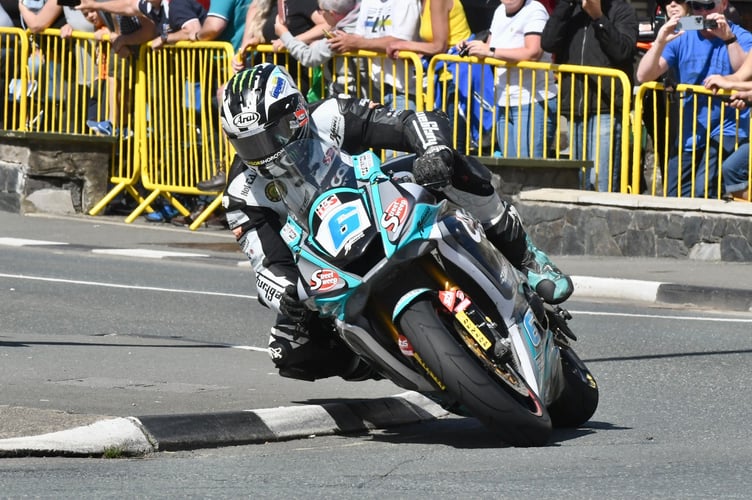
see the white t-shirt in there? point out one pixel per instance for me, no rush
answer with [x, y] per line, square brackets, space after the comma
[509, 33]
[397, 18]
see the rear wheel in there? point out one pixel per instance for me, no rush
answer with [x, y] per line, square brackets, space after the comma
[579, 399]
[493, 393]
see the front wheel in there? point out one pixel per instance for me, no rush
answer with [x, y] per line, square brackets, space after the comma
[579, 399]
[496, 395]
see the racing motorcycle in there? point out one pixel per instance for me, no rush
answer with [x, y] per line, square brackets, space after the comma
[413, 287]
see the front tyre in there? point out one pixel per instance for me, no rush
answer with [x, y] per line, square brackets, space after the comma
[520, 420]
[579, 399]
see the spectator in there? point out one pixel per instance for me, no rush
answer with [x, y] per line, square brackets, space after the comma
[303, 20]
[693, 56]
[341, 15]
[736, 168]
[516, 36]
[9, 18]
[175, 20]
[38, 15]
[479, 13]
[6, 21]
[593, 33]
[126, 34]
[225, 21]
[662, 108]
[442, 25]
[380, 23]
[84, 59]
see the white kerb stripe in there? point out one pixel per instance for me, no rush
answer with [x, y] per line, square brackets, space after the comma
[585, 286]
[289, 421]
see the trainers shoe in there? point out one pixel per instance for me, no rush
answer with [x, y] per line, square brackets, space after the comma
[164, 214]
[544, 277]
[215, 183]
[103, 128]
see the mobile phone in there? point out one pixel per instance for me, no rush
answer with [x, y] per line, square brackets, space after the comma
[34, 5]
[69, 3]
[694, 23]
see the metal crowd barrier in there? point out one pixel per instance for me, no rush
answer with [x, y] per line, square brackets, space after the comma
[52, 85]
[660, 115]
[178, 121]
[164, 110]
[476, 90]
[15, 86]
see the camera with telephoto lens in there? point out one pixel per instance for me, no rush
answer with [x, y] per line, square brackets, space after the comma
[694, 23]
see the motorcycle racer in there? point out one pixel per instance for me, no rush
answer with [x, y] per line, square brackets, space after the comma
[262, 111]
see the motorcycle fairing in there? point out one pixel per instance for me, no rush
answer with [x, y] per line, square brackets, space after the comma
[340, 225]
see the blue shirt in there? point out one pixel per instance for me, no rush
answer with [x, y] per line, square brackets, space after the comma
[693, 58]
[233, 12]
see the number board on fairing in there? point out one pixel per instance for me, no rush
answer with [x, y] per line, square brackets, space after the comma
[339, 220]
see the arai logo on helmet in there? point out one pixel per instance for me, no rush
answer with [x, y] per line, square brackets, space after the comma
[245, 119]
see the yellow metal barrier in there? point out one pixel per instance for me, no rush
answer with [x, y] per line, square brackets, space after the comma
[67, 82]
[177, 120]
[664, 121]
[557, 126]
[14, 79]
[369, 71]
[117, 102]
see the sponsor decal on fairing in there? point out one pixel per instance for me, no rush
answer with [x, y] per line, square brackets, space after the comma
[395, 214]
[324, 280]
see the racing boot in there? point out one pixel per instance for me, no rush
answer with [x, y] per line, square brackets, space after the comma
[544, 277]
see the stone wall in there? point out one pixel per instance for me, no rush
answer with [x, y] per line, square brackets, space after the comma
[58, 174]
[573, 222]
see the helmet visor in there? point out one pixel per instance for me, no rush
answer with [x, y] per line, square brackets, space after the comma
[262, 146]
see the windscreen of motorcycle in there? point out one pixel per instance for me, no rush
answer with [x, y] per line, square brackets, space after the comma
[306, 169]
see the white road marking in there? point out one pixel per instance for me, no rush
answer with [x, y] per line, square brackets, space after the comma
[148, 254]
[20, 242]
[662, 316]
[129, 287]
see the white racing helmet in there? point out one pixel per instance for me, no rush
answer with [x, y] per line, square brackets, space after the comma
[262, 112]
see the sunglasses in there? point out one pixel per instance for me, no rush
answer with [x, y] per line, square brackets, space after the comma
[701, 5]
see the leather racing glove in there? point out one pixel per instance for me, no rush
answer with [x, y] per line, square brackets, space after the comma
[435, 167]
[292, 307]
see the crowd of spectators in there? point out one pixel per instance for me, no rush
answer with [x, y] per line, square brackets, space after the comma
[601, 33]
[693, 56]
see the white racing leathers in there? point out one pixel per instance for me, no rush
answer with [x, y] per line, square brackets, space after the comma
[255, 214]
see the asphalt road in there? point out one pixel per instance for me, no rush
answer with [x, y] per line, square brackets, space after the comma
[95, 333]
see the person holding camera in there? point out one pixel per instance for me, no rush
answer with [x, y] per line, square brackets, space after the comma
[522, 97]
[694, 47]
[601, 33]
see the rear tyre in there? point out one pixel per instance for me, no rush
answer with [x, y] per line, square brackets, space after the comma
[498, 397]
[579, 399]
